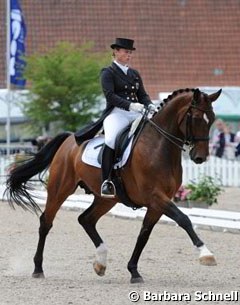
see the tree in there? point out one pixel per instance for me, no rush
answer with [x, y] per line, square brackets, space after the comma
[64, 86]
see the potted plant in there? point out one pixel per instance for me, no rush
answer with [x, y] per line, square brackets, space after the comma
[180, 197]
[203, 193]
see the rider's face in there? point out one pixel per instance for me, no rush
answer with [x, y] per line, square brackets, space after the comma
[123, 56]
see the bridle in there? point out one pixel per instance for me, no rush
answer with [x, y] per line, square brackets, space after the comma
[189, 139]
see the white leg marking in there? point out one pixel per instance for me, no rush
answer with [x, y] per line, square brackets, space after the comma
[204, 251]
[101, 254]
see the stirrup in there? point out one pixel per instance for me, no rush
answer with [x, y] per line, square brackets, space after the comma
[108, 189]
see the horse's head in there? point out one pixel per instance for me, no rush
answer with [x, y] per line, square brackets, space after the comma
[196, 122]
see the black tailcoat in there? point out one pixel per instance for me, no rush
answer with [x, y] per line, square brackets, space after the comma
[120, 90]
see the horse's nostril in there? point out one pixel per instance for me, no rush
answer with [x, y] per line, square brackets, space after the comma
[199, 160]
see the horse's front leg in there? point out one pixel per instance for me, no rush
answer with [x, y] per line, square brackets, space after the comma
[205, 256]
[150, 219]
[88, 219]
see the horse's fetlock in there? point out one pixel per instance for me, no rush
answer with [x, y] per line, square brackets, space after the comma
[131, 267]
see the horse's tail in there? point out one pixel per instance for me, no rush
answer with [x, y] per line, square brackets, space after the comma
[17, 189]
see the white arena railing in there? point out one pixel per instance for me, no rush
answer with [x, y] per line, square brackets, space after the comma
[226, 172]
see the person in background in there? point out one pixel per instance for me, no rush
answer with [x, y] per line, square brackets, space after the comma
[237, 140]
[219, 128]
[226, 144]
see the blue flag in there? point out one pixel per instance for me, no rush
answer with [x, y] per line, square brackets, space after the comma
[17, 44]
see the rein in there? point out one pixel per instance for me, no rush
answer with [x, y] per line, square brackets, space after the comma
[167, 135]
[189, 137]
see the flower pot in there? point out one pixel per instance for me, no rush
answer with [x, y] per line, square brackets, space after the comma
[182, 204]
[197, 204]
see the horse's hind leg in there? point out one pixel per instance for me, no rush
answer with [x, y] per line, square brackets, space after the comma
[205, 257]
[88, 220]
[58, 191]
[38, 258]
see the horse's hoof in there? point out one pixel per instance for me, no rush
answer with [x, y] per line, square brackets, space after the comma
[99, 268]
[39, 275]
[135, 280]
[208, 260]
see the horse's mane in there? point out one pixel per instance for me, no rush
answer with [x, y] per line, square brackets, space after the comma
[174, 94]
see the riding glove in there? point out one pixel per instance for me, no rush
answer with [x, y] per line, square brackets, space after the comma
[137, 107]
[152, 108]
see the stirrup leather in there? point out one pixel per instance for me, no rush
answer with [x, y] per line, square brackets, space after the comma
[108, 189]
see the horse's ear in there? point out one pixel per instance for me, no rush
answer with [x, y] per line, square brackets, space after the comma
[196, 95]
[214, 96]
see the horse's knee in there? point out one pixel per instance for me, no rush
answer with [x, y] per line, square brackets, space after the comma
[84, 221]
[178, 216]
[81, 220]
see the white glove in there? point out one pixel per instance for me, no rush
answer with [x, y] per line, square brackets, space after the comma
[152, 108]
[137, 107]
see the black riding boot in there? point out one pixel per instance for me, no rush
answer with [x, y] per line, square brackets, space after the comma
[107, 188]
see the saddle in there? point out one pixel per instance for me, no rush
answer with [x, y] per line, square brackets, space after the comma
[125, 136]
[122, 141]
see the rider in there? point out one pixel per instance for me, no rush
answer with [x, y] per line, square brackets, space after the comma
[126, 97]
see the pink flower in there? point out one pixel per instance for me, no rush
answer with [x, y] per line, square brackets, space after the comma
[182, 193]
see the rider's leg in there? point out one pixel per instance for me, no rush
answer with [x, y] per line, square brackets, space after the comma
[113, 124]
[107, 188]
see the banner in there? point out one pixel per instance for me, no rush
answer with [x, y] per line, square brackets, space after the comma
[17, 44]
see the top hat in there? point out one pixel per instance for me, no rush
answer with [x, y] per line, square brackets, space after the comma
[123, 43]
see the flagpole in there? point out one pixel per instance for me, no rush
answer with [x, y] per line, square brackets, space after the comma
[8, 82]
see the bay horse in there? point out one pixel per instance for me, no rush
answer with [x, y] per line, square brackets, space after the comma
[151, 176]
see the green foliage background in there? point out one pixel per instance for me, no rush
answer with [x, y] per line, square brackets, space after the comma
[64, 87]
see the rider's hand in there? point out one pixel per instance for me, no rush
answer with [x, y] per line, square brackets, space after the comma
[137, 107]
[152, 108]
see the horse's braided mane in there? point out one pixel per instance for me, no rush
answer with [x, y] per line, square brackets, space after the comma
[175, 93]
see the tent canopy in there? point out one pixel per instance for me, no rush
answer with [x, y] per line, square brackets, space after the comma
[227, 106]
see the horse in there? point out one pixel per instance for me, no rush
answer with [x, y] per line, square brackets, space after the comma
[151, 176]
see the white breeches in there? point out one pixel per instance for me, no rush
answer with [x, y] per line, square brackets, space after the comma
[115, 122]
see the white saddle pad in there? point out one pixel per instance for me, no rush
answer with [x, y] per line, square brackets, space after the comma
[91, 151]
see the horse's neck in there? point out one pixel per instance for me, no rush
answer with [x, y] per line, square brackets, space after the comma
[167, 119]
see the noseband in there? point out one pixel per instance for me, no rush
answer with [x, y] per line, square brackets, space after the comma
[190, 139]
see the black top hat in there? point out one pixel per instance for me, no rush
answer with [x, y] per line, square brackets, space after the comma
[123, 43]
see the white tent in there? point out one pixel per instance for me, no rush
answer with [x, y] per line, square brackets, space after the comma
[227, 105]
[15, 112]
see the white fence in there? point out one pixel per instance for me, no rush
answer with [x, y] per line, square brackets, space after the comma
[228, 171]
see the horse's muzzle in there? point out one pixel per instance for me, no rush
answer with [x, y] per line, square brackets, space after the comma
[199, 160]
[197, 157]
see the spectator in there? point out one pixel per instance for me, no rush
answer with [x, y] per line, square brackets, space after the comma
[237, 140]
[219, 128]
[226, 144]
